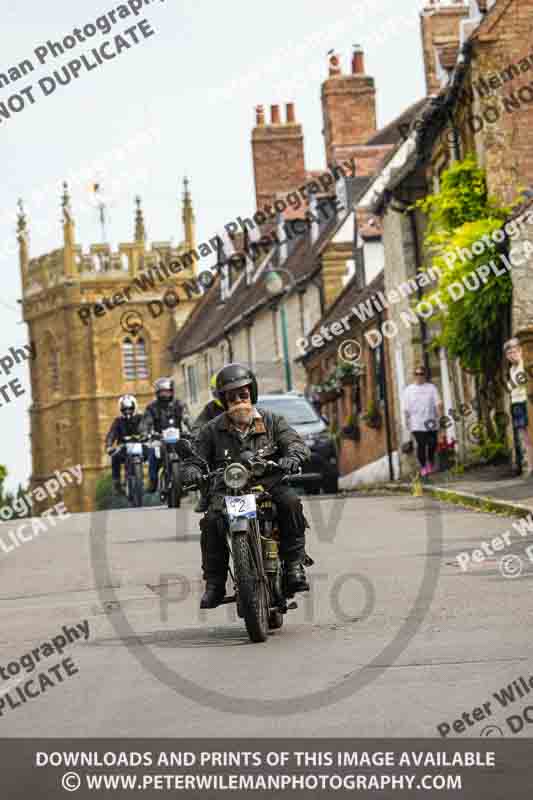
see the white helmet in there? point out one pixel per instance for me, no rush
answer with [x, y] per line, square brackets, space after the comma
[127, 405]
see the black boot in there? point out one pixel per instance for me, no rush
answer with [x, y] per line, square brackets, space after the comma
[202, 505]
[214, 594]
[296, 578]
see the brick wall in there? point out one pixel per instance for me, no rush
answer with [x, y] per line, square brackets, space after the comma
[439, 28]
[278, 156]
[349, 113]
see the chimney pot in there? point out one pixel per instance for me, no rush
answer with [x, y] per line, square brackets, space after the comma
[290, 112]
[274, 115]
[259, 115]
[334, 64]
[358, 61]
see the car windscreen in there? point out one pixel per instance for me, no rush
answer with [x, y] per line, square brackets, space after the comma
[295, 410]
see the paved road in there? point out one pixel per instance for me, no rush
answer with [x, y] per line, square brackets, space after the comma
[393, 640]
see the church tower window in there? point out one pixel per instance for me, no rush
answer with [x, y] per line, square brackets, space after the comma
[134, 359]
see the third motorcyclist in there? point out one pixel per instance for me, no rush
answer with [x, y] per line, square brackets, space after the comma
[127, 424]
[242, 427]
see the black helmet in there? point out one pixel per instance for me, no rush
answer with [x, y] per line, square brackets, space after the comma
[233, 376]
[164, 390]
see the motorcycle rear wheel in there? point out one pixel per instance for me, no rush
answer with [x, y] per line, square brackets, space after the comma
[253, 595]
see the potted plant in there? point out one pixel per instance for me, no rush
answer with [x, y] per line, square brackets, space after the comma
[372, 416]
[446, 451]
[352, 429]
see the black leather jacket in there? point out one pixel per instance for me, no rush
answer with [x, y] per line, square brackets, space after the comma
[121, 427]
[219, 440]
[157, 416]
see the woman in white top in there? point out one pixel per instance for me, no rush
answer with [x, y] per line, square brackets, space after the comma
[518, 388]
[423, 410]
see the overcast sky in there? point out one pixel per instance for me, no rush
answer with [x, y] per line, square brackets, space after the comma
[194, 86]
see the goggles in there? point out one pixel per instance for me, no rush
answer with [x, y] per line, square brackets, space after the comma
[237, 394]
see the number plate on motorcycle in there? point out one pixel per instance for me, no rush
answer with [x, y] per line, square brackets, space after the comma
[135, 449]
[171, 435]
[241, 506]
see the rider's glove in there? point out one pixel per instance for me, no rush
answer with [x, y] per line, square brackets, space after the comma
[291, 465]
[191, 474]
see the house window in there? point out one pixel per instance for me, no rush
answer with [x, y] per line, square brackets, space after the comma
[192, 383]
[53, 368]
[134, 359]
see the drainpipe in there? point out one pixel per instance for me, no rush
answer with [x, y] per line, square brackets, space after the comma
[230, 346]
[423, 326]
[388, 429]
[317, 281]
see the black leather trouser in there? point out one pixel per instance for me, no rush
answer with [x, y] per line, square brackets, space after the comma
[292, 525]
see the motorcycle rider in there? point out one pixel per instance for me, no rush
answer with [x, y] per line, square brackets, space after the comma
[157, 417]
[243, 427]
[212, 410]
[127, 424]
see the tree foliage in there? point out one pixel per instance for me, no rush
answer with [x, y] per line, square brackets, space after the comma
[459, 215]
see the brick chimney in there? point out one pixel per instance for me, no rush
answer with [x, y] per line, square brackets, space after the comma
[348, 107]
[441, 24]
[278, 154]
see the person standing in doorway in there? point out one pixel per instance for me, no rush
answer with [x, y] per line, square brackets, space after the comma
[518, 388]
[423, 410]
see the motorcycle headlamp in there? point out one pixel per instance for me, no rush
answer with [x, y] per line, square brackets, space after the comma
[236, 476]
[258, 470]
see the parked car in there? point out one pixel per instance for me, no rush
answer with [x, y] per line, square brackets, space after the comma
[322, 468]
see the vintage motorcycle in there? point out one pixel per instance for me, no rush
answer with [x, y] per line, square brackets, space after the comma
[166, 448]
[251, 527]
[133, 446]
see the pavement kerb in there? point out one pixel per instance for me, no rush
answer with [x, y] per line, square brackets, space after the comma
[483, 503]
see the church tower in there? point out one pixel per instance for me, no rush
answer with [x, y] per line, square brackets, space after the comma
[100, 331]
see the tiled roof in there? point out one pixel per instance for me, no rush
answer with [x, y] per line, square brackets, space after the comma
[392, 133]
[211, 319]
[350, 296]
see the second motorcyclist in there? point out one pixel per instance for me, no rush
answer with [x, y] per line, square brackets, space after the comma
[242, 427]
[163, 412]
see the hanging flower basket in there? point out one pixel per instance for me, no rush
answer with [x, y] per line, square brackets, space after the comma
[352, 432]
[327, 396]
[372, 415]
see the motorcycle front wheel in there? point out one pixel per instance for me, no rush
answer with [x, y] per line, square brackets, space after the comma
[253, 594]
[136, 485]
[174, 492]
